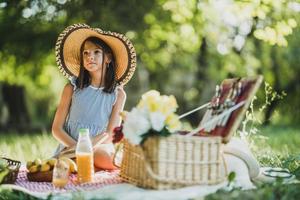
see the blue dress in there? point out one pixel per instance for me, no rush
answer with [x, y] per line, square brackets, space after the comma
[90, 108]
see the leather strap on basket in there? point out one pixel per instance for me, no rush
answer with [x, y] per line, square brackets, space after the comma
[119, 147]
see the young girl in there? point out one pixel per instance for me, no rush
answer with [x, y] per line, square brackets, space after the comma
[98, 64]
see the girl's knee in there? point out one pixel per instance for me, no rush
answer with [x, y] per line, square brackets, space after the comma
[103, 159]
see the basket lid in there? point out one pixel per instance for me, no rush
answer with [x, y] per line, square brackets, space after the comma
[230, 93]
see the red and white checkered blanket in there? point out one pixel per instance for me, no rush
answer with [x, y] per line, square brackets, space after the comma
[102, 178]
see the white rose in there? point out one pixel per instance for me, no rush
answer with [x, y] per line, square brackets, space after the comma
[157, 120]
[135, 125]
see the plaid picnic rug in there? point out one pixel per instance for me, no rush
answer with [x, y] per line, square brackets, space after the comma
[102, 178]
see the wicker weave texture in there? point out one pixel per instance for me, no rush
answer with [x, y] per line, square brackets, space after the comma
[173, 162]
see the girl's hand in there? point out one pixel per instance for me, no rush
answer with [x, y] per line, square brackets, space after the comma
[117, 134]
[101, 139]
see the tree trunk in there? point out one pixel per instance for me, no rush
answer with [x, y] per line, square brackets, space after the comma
[277, 86]
[14, 98]
[202, 83]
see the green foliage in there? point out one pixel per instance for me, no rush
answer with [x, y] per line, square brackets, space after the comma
[7, 194]
[230, 178]
[269, 191]
[271, 96]
[164, 132]
[184, 47]
[297, 173]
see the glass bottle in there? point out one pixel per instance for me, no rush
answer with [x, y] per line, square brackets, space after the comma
[84, 157]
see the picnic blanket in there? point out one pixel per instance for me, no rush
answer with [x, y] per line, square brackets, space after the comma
[107, 184]
[101, 179]
[127, 191]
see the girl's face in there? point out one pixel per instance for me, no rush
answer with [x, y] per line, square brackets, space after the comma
[92, 57]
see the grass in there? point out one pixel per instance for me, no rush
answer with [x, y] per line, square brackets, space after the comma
[275, 145]
[282, 139]
[25, 147]
[272, 145]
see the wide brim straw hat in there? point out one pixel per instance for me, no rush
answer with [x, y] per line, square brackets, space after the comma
[68, 45]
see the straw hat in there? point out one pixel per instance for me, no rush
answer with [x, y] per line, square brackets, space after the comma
[67, 50]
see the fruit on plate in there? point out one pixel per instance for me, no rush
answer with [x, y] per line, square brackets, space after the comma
[34, 168]
[29, 164]
[45, 167]
[52, 161]
[40, 170]
[39, 165]
[37, 161]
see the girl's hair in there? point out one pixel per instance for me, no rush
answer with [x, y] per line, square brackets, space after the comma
[84, 78]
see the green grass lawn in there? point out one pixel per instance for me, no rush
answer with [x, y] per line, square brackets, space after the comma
[275, 145]
[25, 147]
[272, 145]
[282, 139]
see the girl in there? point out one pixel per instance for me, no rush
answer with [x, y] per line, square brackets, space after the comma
[97, 63]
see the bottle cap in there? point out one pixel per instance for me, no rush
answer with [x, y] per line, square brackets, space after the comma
[83, 131]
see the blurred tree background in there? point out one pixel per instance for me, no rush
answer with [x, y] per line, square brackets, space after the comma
[184, 47]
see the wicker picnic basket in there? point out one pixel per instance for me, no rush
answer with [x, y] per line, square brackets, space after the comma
[13, 167]
[173, 162]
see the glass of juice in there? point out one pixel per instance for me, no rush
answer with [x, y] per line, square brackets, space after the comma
[60, 174]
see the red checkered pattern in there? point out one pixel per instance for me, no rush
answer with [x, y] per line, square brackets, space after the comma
[101, 178]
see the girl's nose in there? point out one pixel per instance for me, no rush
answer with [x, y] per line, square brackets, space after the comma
[91, 57]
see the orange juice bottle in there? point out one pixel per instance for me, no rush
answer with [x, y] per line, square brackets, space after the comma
[84, 157]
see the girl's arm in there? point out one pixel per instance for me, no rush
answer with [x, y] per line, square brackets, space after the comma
[60, 117]
[115, 118]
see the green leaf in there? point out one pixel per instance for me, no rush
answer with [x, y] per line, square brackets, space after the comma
[3, 164]
[3, 174]
[297, 173]
[231, 177]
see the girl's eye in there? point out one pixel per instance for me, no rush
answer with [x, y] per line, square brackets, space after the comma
[97, 52]
[85, 53]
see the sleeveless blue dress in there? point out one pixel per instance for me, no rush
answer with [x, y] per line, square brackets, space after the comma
[90, 108]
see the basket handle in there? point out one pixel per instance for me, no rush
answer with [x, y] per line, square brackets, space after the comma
[160, 178]
[119, 147]
[172, 180]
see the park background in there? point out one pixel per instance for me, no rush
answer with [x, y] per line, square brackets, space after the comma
[183, 48]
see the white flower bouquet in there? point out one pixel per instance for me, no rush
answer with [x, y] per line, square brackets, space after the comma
[154, 115]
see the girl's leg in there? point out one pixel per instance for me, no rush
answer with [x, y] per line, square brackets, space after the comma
[103, 157]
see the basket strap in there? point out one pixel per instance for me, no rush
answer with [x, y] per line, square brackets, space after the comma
[215, 119]
[119, 147]
[194, 110]
[225, 165]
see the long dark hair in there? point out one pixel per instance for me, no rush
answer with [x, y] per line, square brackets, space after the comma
[84, 78]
